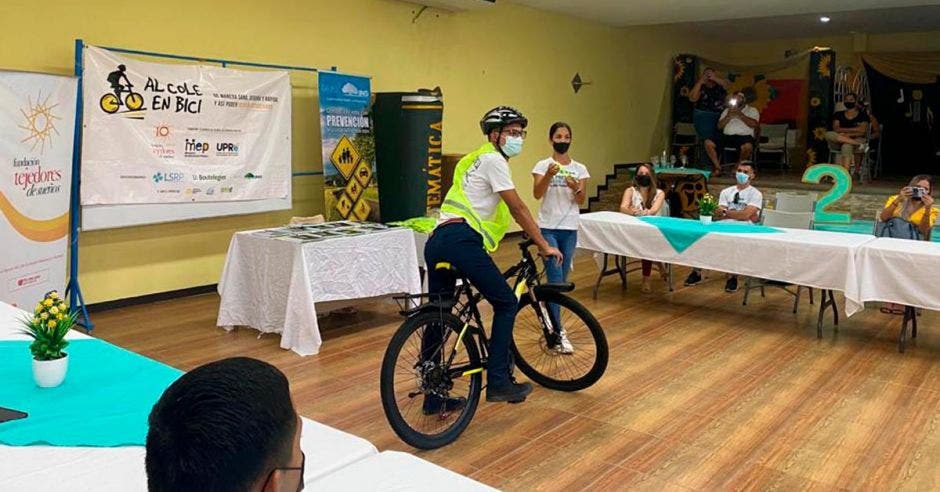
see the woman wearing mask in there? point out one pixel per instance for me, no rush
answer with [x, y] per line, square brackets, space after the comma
[641, 199]
[559, 182]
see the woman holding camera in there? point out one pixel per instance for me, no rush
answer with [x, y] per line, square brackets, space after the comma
[913, 205]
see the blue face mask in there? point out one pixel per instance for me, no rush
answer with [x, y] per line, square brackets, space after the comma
[513, 146]
[742, 178]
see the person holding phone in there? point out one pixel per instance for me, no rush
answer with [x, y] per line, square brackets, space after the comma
[913, 204]
[709, 94]
[738, 122]
[559, 181]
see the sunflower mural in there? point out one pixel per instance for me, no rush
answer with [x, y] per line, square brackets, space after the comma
[821, 67]
[759, 93]
[810, 157]
[819, 133]
[824, 66]
[684, 68]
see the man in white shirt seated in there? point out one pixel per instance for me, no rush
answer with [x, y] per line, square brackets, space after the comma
[737, 123]
[741, 202]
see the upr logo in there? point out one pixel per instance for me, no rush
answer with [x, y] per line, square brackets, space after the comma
[111, 103]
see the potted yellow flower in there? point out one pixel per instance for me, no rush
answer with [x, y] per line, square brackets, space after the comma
[50, 322]
[706, 208]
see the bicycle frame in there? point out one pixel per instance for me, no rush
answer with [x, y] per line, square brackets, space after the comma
[526, 277]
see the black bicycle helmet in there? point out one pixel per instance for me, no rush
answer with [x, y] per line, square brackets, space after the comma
[501, 116]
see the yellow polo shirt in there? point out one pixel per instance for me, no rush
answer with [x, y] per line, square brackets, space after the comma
[915, 217]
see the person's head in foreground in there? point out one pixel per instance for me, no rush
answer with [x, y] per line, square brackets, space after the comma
[504, 127]
[229, 425]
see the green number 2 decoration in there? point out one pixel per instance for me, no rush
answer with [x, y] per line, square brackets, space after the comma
[842, 187]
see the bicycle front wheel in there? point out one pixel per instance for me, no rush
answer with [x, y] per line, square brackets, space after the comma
[430, 381]
[570, 356]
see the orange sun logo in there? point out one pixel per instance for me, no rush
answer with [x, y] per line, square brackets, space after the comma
[40, 122]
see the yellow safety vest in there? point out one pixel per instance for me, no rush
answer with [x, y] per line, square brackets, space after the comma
[455, 203]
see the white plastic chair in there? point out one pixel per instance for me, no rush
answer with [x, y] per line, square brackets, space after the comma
[788, 220]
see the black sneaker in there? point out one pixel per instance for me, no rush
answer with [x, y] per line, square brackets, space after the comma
[732, 284]
[434, 404]
[694, 278]
[509, 392]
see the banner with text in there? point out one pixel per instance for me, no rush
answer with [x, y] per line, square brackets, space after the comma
[37, 126]
[158, 133]
[350, 189]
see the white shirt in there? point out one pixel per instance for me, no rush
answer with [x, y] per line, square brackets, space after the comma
[637, 200]
[559, 210]
[747, 196]
[485, 178]
[737, 127]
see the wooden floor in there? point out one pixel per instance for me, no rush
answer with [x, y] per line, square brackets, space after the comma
[701, 393]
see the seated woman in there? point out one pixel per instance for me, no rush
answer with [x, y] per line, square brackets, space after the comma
[641, 199]
[914, 206]
[909, 215]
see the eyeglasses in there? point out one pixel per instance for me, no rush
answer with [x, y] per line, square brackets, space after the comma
[516, 133]
[300, 483]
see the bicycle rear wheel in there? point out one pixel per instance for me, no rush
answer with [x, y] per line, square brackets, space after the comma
[538, 351]
[419, 376]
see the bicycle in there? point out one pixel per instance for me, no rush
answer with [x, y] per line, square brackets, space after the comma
[110, 103]
[412, 372]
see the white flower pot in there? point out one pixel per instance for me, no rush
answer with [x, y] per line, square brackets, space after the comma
[705, 219]
[50, 373]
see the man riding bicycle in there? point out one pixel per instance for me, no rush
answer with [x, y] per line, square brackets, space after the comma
[474, 218]
[114, 78]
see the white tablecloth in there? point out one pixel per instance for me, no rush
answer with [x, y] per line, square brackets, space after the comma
[820, 259]
[48, 468]
[271, 285]
[900, 271]
[395, 471]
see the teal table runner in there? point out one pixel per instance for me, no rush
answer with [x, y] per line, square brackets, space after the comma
[104, 402]
[682, 233]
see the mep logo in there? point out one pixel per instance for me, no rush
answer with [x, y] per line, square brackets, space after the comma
[252, 176]
[350, 90]
[161, 177]
[195, 148]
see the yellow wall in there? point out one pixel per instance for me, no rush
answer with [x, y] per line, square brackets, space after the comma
[505, 54]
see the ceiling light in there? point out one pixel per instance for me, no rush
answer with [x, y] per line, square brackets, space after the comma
[824, 19]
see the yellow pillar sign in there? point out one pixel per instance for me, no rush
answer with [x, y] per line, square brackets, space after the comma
[345, 157]
[361, 210]
[353, 189]
[363, 173]
[344, 205]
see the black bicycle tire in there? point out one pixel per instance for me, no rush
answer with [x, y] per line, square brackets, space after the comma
[386, 384]
[597, 332]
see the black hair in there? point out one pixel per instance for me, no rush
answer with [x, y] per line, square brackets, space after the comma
[847, 94]
[555, 126]
[220, 427]
[747, 163]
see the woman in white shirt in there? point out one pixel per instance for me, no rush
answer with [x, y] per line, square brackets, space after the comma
[642, 199]
[559, 183]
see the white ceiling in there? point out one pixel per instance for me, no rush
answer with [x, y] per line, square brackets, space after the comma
[650, 12]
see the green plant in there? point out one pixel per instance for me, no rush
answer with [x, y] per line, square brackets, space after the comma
[48, 326]
[707, 206]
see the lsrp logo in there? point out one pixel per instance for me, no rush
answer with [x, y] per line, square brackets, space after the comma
[111, 103]
[168, 177]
